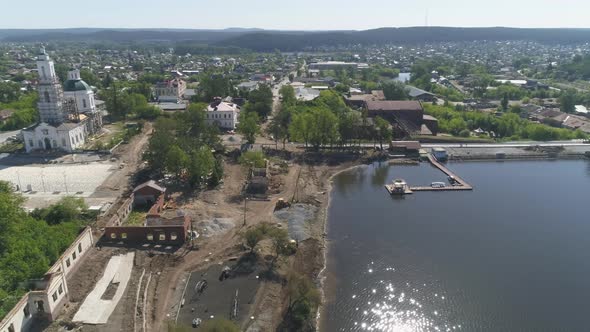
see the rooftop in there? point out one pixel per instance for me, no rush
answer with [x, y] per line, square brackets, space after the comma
[394, 105]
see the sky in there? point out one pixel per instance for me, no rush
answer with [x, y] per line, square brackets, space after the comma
[293, 14]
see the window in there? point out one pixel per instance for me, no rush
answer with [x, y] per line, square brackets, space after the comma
[162, 237]
[40, 306]
[173, 236]
[45, 132]
[46, 94]
[79, 247]
[54, 296]
[123, 235]
[84, 103]
[68, 262]
[31, 144]
[61, 289]
[43, 71]
[113, 236]
[41, 144]
[74, 255]
[26, 310]
[11, 328]
[150, 237]
[63, 142]
[71, 139]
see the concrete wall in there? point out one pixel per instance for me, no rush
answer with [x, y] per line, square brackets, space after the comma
[141, 234]
[16, 319]
[55, 295]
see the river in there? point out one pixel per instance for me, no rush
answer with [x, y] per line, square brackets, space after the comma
[512, 255]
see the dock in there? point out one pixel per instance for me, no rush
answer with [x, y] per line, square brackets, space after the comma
[407, 190]
[459, 184]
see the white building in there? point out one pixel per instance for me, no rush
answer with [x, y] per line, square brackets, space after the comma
[170, 91]
[66, 118]
[223, 114]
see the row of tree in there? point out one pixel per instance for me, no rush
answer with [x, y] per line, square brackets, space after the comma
[509, 125]
[324, 121]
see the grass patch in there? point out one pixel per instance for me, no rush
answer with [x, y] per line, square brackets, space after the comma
[136, 218]
[11, 147]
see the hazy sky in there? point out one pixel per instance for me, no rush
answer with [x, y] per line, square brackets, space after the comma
[292, 14]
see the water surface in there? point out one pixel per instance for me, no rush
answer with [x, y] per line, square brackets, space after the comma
[510, 256]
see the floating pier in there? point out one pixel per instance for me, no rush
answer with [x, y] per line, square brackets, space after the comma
[456, 183]
[459, 183]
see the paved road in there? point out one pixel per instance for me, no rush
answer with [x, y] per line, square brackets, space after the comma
[508, 144]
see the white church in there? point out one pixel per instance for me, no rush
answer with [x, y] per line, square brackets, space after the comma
[67, 117]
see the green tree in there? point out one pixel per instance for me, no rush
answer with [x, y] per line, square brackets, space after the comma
[252, 236]
[214, 86]
[176, 160]
[260, 101]
[67, 209]
[287, 96]
[304, 299]
[201, 165]
[9, 92]
[394, 90]
[248, 126]
[383, 129]
[568, 101]
[505, 102]
[252, 159]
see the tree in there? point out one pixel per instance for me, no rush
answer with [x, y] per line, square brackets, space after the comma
[505, 102]
[176, 161]
[568, 101]
[260, 101]
[201, 165]
[288, 96]
[67, 209]
[395, 90]
[252, 237]
[214, 86]
[304, 299]
[254, 159]
[280, 241]
[383, 129]
[217, 174]
[9, 92]
[248, 126]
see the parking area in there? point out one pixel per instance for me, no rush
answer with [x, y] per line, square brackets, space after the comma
[229, 298]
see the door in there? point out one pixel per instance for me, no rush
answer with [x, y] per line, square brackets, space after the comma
[47, 144]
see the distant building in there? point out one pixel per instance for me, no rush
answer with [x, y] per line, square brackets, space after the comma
[223, 114]
[419, 94]
[262, 78]
[407, 116]
[248, 86]
[331, 65]
[170, 91]
[306, 94]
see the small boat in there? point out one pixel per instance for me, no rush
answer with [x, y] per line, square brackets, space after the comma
[398, 187]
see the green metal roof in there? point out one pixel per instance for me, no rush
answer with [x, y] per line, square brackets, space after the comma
[76, 85]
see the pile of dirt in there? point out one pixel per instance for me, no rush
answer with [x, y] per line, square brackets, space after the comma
[215, 226]
[298, 218]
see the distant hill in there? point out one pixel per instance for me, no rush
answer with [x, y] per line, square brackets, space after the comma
[269, 40]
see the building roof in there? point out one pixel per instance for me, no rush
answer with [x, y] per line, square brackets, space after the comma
[223, 106]
[394, 105]
[415, 92]
[76, 85]
[150, 184]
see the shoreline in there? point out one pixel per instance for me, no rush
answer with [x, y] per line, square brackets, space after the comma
[321, 278]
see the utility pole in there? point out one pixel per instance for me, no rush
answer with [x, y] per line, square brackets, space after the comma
[20, 187]
[245, 201]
